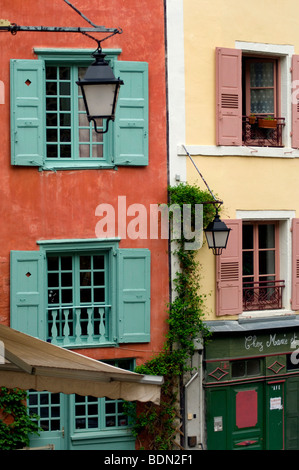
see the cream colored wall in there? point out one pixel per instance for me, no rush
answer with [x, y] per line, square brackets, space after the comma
[216, 23]
[242, 182]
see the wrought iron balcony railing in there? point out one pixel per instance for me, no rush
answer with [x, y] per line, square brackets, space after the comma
[262, 134]
[263, 295]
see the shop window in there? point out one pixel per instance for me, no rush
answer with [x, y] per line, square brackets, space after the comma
[244, 368]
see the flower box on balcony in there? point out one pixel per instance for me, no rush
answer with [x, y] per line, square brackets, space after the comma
[268, 123]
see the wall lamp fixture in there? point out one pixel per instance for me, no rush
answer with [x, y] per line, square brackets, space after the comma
[99, 86]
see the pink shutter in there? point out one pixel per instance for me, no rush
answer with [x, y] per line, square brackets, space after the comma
[229, 273]
[295, 264]
[228, 96]
[295, 101]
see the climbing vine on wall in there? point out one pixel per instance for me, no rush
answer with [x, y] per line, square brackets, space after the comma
[15, 423]
[156, 425]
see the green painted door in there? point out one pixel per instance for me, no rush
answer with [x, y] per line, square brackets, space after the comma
[275, 415]
[235, 417]
[51, 408]
[292, 414]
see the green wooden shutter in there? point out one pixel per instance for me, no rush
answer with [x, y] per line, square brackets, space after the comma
[27, 112]
[131, 119]
[27, 287]
[134, 295]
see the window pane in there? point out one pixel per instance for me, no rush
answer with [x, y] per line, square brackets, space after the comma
[267, 262]
[262, 101]
[53, 280]
[66, 263]
[247, 231]
[238, 369]
[65, 135]
[99, 262]
[51, 88]
[64, 73]
[247, 263]
[65, 151]
[85, 262]
[266, 236]
[262, 74]
[64, 88]
[253, 367]
[51, 73]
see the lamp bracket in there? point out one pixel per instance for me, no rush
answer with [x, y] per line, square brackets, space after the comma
[13, 28]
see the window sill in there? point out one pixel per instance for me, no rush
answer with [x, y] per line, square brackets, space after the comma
[238, 151]
[77, 165]
[260, 314]
[117, 433]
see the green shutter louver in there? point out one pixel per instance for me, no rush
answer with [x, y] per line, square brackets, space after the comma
[27, 112]
[27, 288]
[131, 120]
[134, 295]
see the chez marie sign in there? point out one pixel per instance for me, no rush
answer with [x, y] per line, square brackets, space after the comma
[253, 344]
[273, 340]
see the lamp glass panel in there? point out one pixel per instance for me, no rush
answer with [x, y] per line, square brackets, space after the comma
[100, 99]
[220, 239]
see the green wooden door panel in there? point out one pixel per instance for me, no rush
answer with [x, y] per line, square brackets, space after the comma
[134, 295]
[275, 415]
[217, 424]
[131, 121]
[27, 292]
[292, 414]
[235, 417]
[27, 112]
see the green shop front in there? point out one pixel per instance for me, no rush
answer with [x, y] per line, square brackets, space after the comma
[251, 383]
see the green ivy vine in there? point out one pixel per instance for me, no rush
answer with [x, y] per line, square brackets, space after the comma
[15, 423]
[156, 426]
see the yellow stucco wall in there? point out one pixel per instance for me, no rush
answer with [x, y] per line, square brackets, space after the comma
[242, 182]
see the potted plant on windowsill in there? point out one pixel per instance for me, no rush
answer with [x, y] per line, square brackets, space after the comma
[252, 119]
[268, 122]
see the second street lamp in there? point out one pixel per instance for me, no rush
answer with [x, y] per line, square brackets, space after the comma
[217, 235]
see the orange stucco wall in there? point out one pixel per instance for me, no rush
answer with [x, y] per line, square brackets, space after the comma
[37, 205]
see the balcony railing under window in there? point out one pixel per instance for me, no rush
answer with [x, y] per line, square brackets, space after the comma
[263, 295]
[253, 132]
[79, 326]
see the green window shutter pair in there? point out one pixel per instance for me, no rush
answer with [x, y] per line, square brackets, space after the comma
[28, 114]
[28, 294]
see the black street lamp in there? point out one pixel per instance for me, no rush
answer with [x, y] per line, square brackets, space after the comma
[100, 91]
[217, 234]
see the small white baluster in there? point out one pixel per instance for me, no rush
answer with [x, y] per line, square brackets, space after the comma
[102, 325]
[78, 325]
[54, 327]
[66, 329]
[89, 326]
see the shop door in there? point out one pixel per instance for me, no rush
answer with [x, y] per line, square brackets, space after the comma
[247, 417]
[275, 415]
[235, 417]
[292, 414]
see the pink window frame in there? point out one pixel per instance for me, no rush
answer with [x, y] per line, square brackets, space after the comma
[256, 250]
[276, 87]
